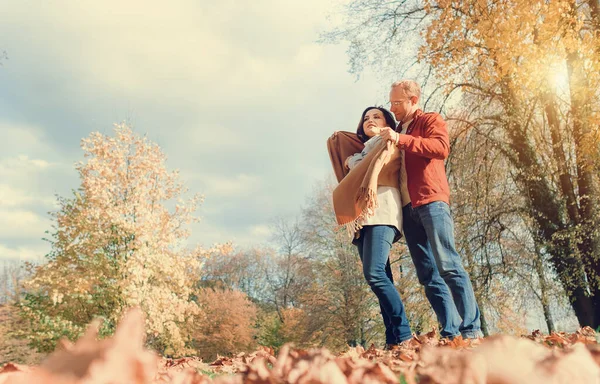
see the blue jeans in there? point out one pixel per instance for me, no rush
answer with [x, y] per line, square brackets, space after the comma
[429, 233]
[374, 245]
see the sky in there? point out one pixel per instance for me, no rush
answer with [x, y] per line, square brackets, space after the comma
[240, 96]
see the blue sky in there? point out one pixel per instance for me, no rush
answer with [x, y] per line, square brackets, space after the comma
[238, 94]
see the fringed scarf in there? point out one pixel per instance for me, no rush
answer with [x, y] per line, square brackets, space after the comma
[355, 197]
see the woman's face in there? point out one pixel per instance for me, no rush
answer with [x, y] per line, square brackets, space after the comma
[373, 122]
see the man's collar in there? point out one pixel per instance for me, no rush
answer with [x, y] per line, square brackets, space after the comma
[414, 115]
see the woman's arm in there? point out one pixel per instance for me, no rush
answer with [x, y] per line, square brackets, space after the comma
[353, 160]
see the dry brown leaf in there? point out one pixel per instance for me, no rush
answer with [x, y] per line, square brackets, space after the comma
[121, 358]
[557, 339]
[505, 359]
[11, 367]
[533, 359]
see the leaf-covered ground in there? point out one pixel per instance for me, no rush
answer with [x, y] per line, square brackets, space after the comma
[556, 358]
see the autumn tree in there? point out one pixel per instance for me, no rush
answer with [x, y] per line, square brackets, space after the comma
[241, 270]
[118, 243]
[274, 280]
[526, 74]
[227, 323]
[553, 155]
[13, 348]
[493, 233]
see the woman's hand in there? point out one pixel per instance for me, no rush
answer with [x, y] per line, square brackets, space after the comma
[388, 133]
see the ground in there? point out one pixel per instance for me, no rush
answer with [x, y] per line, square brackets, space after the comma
[536, 358]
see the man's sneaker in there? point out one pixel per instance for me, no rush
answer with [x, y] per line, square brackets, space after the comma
[412, 343]
[475, 341]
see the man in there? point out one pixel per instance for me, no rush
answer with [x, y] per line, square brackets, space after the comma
[428, 225]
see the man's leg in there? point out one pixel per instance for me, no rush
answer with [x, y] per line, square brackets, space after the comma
[377, 244]
[439, 226]
[436, 290]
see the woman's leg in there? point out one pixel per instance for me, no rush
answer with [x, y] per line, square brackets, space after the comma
[376, 246]
[387, 322]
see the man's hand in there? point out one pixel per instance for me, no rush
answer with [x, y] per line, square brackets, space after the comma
[388, 133]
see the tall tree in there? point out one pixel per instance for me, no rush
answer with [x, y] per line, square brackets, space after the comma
[529, 74]
[226, 325]
[118, 242]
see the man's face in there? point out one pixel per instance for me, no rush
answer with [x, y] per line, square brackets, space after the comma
[401, 105]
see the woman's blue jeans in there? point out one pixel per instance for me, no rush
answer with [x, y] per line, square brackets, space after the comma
[429, 233]
[374, 247]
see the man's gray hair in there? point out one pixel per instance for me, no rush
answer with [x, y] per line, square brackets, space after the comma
[410, 87]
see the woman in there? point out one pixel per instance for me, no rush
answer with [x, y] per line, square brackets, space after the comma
[381, 227]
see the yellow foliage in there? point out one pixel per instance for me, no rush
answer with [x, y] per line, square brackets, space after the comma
[118, 244]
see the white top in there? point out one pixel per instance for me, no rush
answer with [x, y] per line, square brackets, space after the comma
[389, 211]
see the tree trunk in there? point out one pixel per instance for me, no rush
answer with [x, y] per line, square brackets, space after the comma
[582, 99]
[548, 317]
[566, 183]
[544, 291]
[546, 211]
[484, 324]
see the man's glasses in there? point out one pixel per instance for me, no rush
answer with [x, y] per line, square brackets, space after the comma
[396, 103]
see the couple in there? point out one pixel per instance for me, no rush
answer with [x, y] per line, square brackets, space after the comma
[394, 181]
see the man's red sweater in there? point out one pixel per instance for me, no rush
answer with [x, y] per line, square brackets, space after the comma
[426, 146]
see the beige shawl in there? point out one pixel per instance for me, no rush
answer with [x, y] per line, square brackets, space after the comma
[355, 197]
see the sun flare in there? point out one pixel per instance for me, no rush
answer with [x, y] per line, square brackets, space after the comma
[558, 77]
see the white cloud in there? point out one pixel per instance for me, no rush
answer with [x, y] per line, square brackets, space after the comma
[27, 156]
[237, 93]
[16, 197]
[22, 164]
[22, 139]
[204, 135]
[181, 53]
[35, 254]
[238, 185]
[22, 224]
[261, 231]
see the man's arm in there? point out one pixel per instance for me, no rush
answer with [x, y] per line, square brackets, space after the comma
[434, 144]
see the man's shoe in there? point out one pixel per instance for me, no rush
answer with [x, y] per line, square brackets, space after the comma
[475, 341]
[412, 343]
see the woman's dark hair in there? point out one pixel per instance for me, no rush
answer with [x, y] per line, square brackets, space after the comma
[389, 119]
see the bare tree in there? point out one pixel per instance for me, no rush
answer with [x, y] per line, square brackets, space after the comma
[11, 280]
